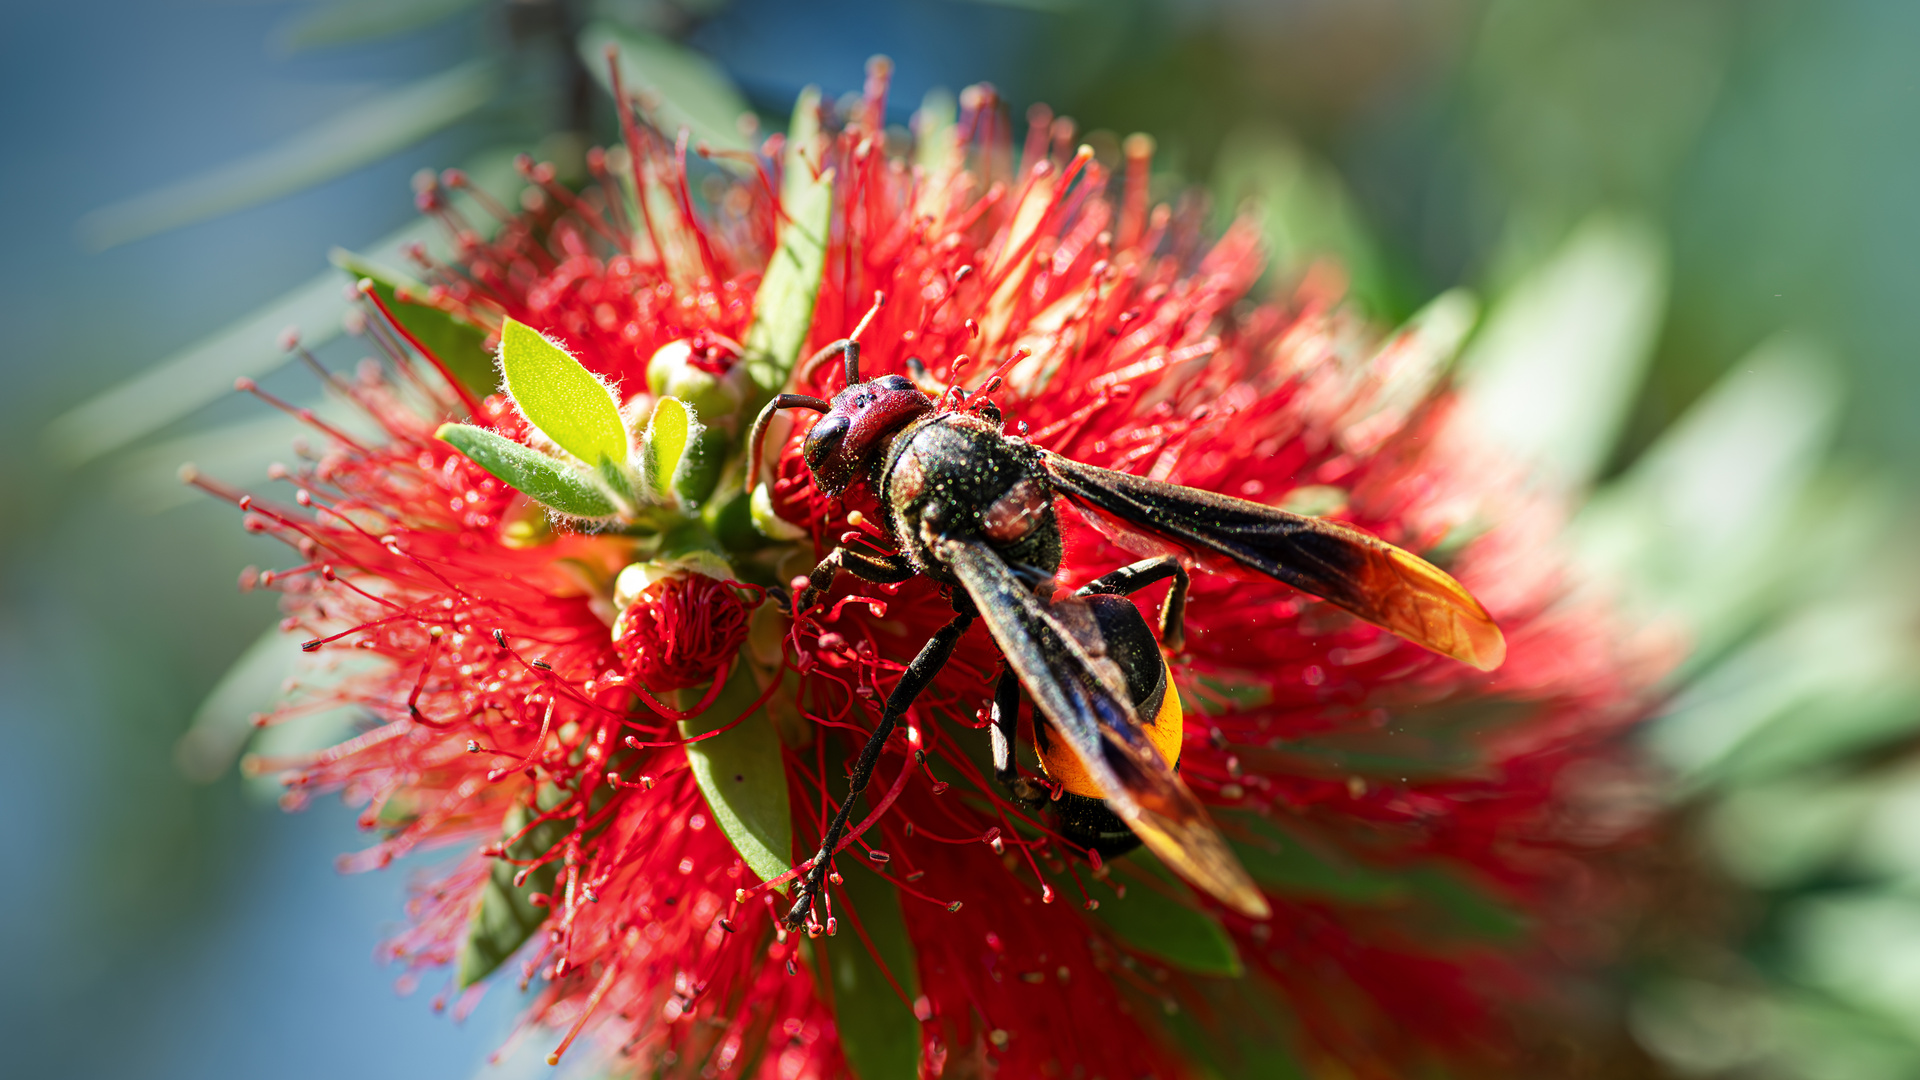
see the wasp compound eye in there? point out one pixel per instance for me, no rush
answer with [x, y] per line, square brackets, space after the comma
[893, 382]
[823, 440]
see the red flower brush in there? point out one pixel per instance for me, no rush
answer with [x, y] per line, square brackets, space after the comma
[598, 672]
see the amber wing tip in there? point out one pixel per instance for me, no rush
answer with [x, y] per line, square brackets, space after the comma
[1486, 647]
[1249, 902]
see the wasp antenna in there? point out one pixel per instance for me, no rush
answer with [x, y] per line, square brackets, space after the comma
[826, 353]
[757, 440]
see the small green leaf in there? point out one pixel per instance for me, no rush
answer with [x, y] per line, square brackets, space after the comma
[783, 307]
[1288, 864]
[878, 1031]
[699, 470]
[933, 149]
[1151, 922]
[568, 403]
[743, 777]
[459, 345]
[505, 916]
[541, 478]
[730, 519]
[666, 442]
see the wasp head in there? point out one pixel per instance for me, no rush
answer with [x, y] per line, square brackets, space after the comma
[857, 425]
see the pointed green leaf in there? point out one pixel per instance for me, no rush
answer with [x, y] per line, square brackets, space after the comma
[356, 137]
[1151, 922]
[1304, 209]
[666, 442]
[541, 478]
[1551, 374]
[204, 371]
[505, 916]
[743, 776]
[460, 345]
[699, 470]
[224, 722]
[783, 307]
[1289, 864]
[933, 122]
[346, 21]
[878, 1031]
[1455, 905]
[1238, 1029]
[558, 395]
[687, 89]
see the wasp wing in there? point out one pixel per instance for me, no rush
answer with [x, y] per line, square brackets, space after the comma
[1087, 707]
[1390, 588]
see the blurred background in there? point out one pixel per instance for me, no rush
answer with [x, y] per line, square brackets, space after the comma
[1691, 225]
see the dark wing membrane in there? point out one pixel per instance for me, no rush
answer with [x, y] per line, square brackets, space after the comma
[1094, 719]
[1390, 588]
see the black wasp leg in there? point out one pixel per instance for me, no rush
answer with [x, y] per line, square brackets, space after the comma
[1131, 579]
[1006, 722]
[883, 569]
[933, 656]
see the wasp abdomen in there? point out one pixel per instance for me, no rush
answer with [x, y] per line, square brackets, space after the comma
[1122, 636]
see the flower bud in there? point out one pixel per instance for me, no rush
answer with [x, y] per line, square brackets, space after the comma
[680, 369]
[680, 622]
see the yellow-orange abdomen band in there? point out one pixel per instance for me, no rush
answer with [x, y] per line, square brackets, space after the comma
[1164, 730]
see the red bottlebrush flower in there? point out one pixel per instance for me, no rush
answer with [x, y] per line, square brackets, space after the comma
[680, 630]
[634, 748]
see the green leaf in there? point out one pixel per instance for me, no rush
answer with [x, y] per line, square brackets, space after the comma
[359, 136]
[665, 443]
[543, 479]
[204, 371]
[783, 307]
[1553, 371]
[346, 21]
[459, 344]
[1288, 863]
[878, 1031]
[687, 89]
[743, 776]
[1457, 906]
[730, 519]
[699, 470]
[568, 403]
[1238, 1029]
[933, 149]
[1422, 742]
[224, 722]
[1305, 211]
[504, 917]
[1153, 923]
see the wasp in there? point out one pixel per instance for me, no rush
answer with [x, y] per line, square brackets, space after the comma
[974, 508]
